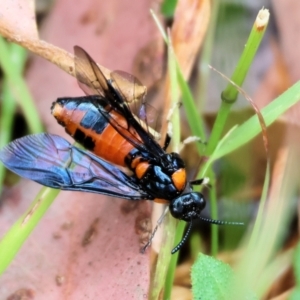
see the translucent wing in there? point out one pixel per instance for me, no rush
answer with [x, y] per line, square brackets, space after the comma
[52, 161]
[119, 91]
[132, 90]
[90, 78]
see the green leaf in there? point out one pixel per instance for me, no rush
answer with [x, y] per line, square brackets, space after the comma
[213, 279]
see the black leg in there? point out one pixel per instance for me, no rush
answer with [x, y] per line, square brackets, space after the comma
[203, 181]
[197, 181]
[167, 142]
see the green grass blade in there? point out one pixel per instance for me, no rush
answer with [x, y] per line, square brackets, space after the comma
[230, 94]
[251, 128]
[196, 124]
[18, 57]
[19, 89]
[19, 232]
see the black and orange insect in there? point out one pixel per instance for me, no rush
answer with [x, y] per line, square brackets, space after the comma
[116, 136]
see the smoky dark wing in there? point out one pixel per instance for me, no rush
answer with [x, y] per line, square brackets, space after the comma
[119, 92]
[134, 92]
[52, 161]
[90, 78]
[131, 89]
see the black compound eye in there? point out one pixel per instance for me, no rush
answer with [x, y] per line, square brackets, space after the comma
[187, 206]
[176, 208]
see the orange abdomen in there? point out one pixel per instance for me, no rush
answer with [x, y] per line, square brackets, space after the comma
[88, 124]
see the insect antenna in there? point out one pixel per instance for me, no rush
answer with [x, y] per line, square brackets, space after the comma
[181, 243]
[219, 222]
[211, 221]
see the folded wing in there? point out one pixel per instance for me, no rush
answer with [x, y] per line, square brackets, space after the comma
[52, 161]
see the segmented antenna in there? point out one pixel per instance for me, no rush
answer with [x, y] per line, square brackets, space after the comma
[219, 222]
[211, 221]
[181, 243]
[178, 247]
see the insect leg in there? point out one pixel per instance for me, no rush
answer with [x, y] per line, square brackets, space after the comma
[159, 222]
[167, 142]
[189, 140]
[201, 181]
[169, 123]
